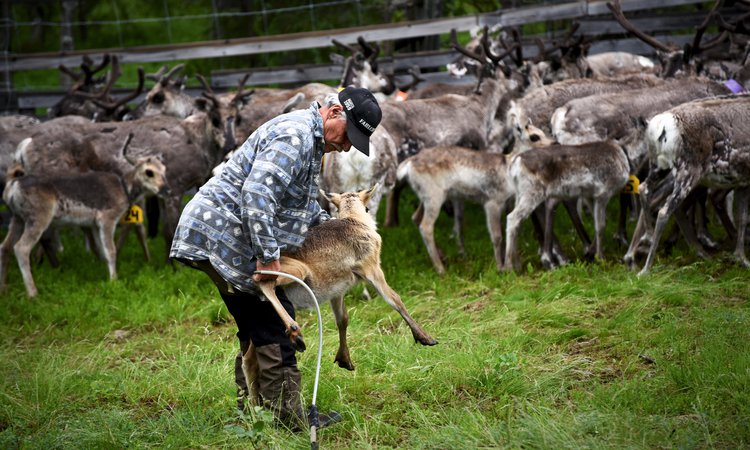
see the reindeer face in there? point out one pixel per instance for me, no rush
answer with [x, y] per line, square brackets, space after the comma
[167, 99]
[222, 111]
[151, 174]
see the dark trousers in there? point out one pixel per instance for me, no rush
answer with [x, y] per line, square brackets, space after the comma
[256, 319]
[258, 322]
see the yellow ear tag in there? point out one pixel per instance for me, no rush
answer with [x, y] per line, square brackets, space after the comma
[632, 186]
[134, 215]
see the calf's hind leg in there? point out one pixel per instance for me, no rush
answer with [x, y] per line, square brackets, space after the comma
[374, 275]
[342, 322]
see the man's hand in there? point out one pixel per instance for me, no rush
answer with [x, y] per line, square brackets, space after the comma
[273, 265]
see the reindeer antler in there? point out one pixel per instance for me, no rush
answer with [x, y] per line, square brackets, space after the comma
[241, 94]
[416, 78]
[542, 53]
[629, 27]
[207, 91]
[343, 46]
[124, 149]
[113, 106]
[166, 78]
[157, 76]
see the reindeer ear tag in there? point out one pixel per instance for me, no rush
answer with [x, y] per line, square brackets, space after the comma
[632, 186]
[134, 215]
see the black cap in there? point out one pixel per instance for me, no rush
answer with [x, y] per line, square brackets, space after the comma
[362, 116]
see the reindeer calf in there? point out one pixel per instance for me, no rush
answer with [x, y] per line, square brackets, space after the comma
[440, 173]
[334, 257]
[596, 170]
[94, 199]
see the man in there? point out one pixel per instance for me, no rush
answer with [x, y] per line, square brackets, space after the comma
[261, 204]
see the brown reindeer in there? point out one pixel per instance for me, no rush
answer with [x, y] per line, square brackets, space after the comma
[334, 257]
[93, 199]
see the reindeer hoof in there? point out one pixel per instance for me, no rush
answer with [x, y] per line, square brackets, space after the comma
[345, 364]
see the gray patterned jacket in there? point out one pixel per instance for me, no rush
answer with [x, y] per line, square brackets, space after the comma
[262, 202]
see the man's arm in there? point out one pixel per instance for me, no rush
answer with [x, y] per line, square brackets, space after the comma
[319, 216]
[274, 168]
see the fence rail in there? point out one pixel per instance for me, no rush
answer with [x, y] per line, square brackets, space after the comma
[594, 17]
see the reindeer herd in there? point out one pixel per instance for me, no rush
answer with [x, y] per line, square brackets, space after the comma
[562, 127]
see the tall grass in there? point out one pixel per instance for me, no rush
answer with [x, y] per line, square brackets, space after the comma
[586, 356]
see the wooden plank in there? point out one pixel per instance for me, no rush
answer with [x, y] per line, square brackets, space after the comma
[320, 39]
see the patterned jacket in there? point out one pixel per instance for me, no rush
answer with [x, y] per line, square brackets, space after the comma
[262, 202]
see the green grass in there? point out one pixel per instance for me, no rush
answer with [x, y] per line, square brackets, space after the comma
[586, 356]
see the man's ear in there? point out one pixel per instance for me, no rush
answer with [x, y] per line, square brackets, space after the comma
[335, 110]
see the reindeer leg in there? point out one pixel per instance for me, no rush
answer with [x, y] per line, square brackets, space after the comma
[537, 218]
[635, 241]
[416, 217]
[427, 230]
[682, 186]
[292, 327]
[374, 275]
[124, 232]
[391, 217]
[575, 218]
[106, 234]
[143, 239]
[621, 235]
[701, 218]
[458, 219]
[250, 369]
[718, 199]
[741, 199]
[494, 213]
[549, 221]
[686, 215]
[525, 205]
[15, 229]
[342, 322]
[32, 232]
[600, 222]
[172, 208]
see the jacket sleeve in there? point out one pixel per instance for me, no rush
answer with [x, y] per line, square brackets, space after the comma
[320, 215]
[274, 168]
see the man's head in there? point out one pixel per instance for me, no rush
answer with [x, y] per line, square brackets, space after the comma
[350, 119]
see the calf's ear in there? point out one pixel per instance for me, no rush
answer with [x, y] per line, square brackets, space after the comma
[367, 193]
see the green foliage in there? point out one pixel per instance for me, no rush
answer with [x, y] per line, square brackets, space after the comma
[586, 356]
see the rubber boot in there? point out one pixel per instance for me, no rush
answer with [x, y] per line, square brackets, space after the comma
[243, 390]
[279, 387]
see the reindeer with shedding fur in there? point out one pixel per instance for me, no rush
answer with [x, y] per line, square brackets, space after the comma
[704, 142]
[454, 119]
[563, 172]
[334, 257]
[93, 199]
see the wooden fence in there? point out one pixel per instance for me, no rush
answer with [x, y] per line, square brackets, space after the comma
[594, 16]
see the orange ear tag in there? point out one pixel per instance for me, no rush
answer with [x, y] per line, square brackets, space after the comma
[401, 96]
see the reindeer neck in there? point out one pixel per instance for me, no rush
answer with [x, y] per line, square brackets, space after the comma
[133, 191]
[358, 217]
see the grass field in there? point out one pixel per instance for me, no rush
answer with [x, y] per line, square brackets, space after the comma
[587, 356]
